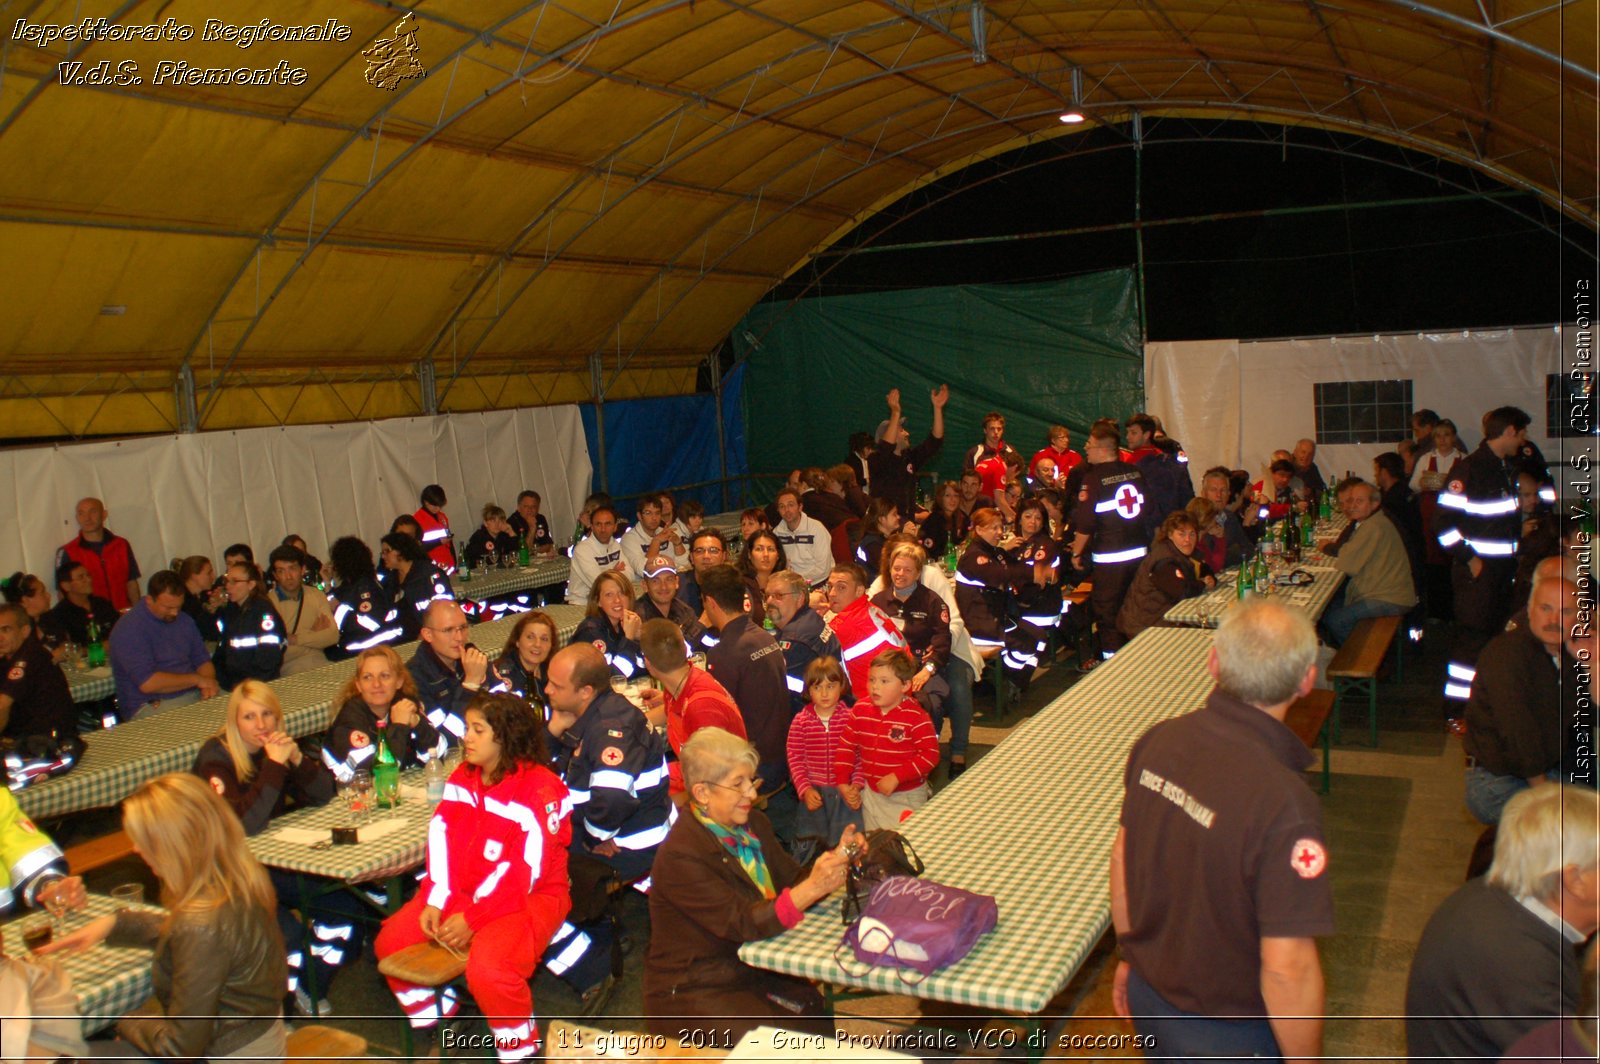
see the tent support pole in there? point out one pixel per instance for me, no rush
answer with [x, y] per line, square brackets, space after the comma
[714, 368]
[598, 389]
[1138, 222]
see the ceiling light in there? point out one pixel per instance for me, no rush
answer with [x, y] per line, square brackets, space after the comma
[1072, 117]
[113, 310]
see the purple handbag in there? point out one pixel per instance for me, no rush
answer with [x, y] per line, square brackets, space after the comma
[917, 924]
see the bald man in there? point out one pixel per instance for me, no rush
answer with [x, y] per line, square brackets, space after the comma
[617, 765]
[448, 669]
[108, 557]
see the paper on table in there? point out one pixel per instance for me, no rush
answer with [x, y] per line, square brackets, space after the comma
[98, 672]
[412, 793]
[302, 836]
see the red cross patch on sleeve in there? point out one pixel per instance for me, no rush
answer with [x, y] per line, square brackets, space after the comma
[612, 756]
[1457, 487]
[17, 671]
[1308, 858]
[359, 739]
[218, 786]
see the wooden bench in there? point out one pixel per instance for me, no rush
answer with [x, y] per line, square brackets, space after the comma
[324, 1045]
[422, 964]
[1354, 669]
[991, 661]
[97, 853]
[1308, 719]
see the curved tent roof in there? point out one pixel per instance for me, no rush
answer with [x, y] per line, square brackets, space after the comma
[582, 196]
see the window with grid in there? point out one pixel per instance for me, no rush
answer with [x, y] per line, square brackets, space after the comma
[1363, 411]
[1569, 405]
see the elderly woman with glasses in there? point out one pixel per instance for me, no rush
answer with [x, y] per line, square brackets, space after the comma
[722, 879]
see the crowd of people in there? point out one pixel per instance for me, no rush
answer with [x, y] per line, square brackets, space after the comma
[800, 689]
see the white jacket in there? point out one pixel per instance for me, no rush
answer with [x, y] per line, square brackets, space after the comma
[808, 549]
[590, 558]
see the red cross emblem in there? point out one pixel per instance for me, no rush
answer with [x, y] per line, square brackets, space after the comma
[1309, 858]
[1129, 501]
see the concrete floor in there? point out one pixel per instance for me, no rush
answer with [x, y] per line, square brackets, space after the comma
[1399, 839]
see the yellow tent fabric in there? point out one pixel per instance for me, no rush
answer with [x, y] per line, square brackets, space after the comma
[296, 204]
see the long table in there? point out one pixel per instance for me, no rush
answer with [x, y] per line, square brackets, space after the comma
[547, 572]
[90, 685]
[1207, 610]
[363, 862]
[108, 980]
[118, 760]
[1031, 823]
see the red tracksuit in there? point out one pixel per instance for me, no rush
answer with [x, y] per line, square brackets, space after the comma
[877, 742]
[498, 855]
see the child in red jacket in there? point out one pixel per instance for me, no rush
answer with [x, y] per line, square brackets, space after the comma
[496, 888]
[889, 744]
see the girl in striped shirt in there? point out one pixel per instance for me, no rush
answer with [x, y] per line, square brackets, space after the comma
[815, 736]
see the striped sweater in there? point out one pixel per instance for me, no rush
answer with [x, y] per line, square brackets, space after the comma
[814, 748]
[877, 742]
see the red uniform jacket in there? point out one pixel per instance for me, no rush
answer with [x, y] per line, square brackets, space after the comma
[436, 538]
[864, 632]
[489, 848]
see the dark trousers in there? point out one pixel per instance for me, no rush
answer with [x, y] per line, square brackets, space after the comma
[1111, 583]
[1481, 608]
[1178, 1035]
[328, 932]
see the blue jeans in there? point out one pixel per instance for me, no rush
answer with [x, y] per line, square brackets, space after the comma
[828, 822]
[1487, 793]
[958, 706]
[1340, 619]
[166, 702]
[1177, 1035]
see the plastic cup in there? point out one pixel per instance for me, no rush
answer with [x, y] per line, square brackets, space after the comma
[127, 895]
[36, 933]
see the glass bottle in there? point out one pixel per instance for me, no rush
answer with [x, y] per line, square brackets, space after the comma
[385, 775]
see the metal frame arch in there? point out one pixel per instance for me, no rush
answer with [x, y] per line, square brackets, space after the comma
[44, 83]
[1150, 140]
[1146, 108]
[1344, 75]
[313, 242]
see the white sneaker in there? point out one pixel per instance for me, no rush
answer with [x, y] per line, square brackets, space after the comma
[302, 1001]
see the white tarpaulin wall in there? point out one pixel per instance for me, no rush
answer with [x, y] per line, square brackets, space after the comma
[1233, 403]
[172, 496]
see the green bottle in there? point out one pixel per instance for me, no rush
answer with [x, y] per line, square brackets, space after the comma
[522, 553]
[1261, 572]
[767, 623]
[951, 560]
[385, 775]
[1242, 578]
[97, 648]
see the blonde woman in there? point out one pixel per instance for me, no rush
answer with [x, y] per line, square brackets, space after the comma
[612, 625]
[258, 770]
[218, 968]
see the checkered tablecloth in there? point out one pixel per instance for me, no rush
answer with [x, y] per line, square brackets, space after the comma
[1032, 824]
[499, 582]
[109, 981]
[118, 760]
[365, 861]
[726, 523]
[1206, 610]
[91, 685]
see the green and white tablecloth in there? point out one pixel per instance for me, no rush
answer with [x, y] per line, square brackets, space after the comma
[498, 582]
[118, 760]
[726, 523]
[109, 981]
[91, 685]
[1031, 823]
[1206, 610]
[393, 853]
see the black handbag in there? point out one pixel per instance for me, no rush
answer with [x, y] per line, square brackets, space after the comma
[885, 853]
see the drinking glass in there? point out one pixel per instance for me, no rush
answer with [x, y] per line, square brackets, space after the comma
[127, 895]
[361, 786]
[619, 684]
[36, 933]
[69, 657]
[389, 795]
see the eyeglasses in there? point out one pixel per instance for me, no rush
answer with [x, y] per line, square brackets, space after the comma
[240, 580]
[706, 550]
[750, 786]
[458, 629]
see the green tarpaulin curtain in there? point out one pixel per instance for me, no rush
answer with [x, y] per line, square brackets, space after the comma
[1059, 351]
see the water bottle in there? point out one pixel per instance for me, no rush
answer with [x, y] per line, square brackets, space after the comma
[386, 775]
[436, 775]
[522, 553]
[97, 648]
[1262, 575]
[950, 559]
[1242, 578]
